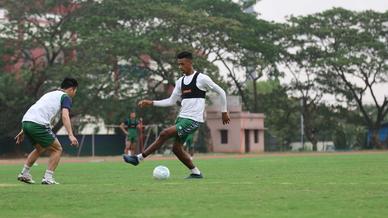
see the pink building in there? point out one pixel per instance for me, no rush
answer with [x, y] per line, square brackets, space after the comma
[245, 132]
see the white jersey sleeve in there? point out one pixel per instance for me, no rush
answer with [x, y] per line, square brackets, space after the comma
[175, 96]
[206, 83]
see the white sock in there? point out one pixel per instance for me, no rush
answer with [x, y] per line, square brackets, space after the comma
[26, 169]
[48, 174]
[195, 170]
[140, 157]
[129, 153]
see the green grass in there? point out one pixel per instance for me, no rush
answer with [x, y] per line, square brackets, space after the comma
[267, 186]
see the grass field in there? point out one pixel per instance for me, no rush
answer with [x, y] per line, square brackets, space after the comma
[334, 185]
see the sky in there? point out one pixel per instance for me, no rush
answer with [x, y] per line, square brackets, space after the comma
[278, 10]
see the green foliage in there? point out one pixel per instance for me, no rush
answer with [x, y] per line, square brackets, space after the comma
[282, 113]
[125, 50]
[14, 101]
[347, 52]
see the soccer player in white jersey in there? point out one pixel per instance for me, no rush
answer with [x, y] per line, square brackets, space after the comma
[36, 126]
[190, 89]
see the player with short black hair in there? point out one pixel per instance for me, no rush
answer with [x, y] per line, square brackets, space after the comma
[191, 90]
[36, 126]
[69, 83]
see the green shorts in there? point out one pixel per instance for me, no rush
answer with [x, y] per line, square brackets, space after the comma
[185, 127]
[132, 135]
[38, 134]
[189, 141]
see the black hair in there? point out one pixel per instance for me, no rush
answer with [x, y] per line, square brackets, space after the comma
[69, 83]
[185, 54]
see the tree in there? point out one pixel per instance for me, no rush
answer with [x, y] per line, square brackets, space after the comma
[301, 70]
[352, 49]
[240, 42]
[119, 50]
[281, 112]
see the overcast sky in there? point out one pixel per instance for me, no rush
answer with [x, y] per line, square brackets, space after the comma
[276, 10]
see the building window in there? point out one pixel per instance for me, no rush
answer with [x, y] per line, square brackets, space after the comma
[256, 133]
[224, 136]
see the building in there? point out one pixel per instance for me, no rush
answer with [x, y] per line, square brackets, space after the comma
[245, 132]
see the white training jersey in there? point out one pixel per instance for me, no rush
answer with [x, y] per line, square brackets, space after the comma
[193, 108]
[47, 107]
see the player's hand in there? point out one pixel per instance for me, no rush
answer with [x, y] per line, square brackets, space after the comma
[145, 103]
[73, 141]
[19, 137]
[225, 118]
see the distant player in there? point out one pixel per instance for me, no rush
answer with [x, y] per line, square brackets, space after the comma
[191, 90]
[189, 145]
[130, 127]
[36, 126]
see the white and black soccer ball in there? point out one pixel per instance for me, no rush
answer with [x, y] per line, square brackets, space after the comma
[161, 172]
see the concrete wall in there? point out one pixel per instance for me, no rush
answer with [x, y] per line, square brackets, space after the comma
[240, 121]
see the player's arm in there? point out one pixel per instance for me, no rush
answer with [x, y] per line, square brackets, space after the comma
[139, 125]
[65, 109]
[208, 82]
[19, 137]
[171, 101]
[67, 123]
[122, 127]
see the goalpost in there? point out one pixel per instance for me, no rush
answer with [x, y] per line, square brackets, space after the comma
[145, 133]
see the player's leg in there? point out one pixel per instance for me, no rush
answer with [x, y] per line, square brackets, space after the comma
[191, 152]
[34, 155]
[38, 136]
[182, 155]
[127, 149]
[25, 175]
[185, 158]
[189, 146]
[55, 150]
[55, 155]
[185, 130]
[132, 145]
[162, 138]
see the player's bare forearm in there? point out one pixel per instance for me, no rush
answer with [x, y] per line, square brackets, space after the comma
[19, 137]
[67, 123]
[122, 127]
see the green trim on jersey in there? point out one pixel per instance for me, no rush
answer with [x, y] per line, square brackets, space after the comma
[185, 127]
[38, 134]
[63, 97]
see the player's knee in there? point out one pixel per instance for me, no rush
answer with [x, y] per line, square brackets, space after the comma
[58, 149]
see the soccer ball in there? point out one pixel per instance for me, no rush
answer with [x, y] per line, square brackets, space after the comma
[161, 172]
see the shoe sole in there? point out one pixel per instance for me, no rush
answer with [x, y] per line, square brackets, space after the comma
[194, 177]
[21, 179]
[130, 162]
[48, 183]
